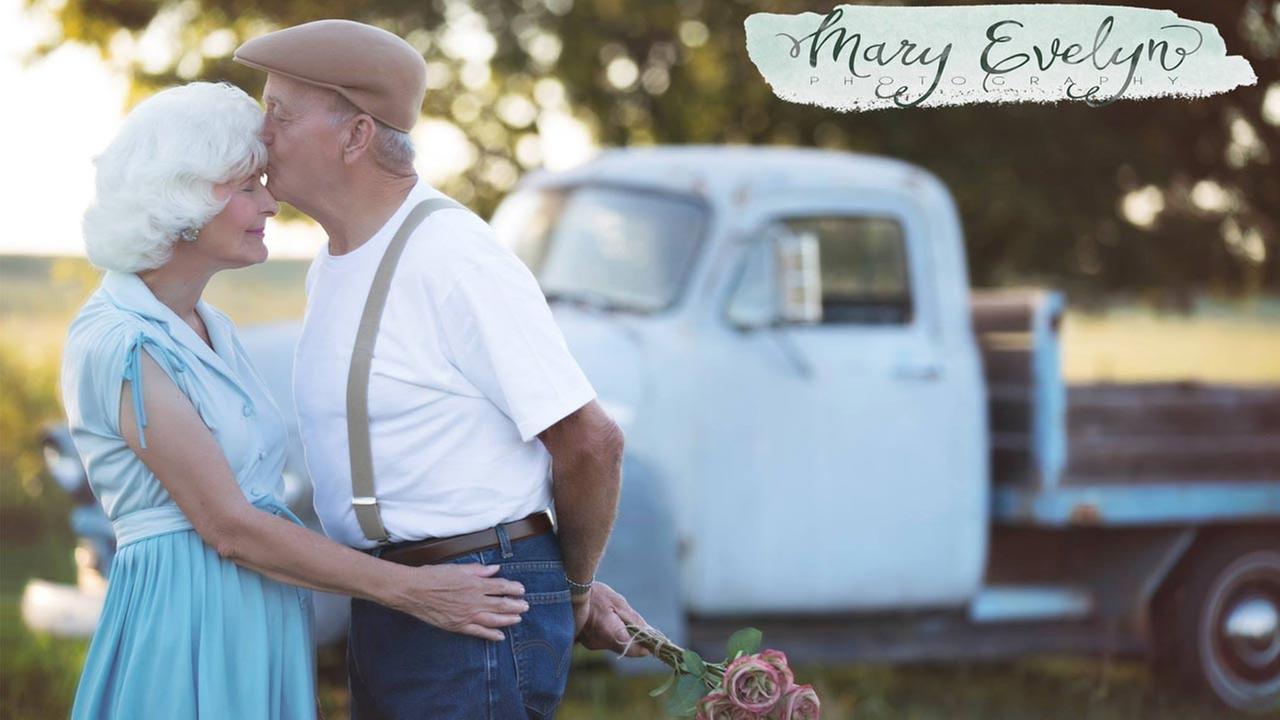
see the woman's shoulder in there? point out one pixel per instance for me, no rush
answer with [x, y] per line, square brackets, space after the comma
[101, 324]
[102, 335]
[104, 348]
[97, 322]
[94, 359]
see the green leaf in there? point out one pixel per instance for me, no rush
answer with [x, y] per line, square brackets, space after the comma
[664, 687]
[744, 642]
[693, 663]
[684, 701]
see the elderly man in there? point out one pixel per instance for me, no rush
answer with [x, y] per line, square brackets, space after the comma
[434, 393]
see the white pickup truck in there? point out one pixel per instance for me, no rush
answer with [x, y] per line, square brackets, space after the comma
[832, 438]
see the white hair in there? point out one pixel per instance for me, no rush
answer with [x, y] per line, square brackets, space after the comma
[155, 180]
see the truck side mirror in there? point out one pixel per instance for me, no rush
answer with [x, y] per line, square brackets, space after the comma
[753, 303]
[779, 282]
[799, 278]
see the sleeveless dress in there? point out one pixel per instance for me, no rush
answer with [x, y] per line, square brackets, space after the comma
[184, 633]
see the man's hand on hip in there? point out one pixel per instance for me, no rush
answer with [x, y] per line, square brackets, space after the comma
[600, 619]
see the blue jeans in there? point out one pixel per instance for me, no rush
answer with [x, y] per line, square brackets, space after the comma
[400, 667]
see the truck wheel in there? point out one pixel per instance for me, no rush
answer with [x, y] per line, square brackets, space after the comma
[1228, 622]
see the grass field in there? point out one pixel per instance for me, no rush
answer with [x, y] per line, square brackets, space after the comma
[1220, 342]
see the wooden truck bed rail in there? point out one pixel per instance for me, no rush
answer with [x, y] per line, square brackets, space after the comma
[1115, 454]
[1172, 431]
[1017, 333]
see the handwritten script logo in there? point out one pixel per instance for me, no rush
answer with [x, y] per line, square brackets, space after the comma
[860, 57]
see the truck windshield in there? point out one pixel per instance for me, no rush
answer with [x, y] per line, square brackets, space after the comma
[608, 247]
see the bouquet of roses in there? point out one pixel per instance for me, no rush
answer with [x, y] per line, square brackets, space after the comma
[747, 685]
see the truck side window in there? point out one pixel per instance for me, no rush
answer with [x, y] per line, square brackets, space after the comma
[864, 268]
[611, 247]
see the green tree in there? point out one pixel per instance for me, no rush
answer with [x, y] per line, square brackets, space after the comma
[1040, 188]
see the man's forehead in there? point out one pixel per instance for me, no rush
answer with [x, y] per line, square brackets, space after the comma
[288, 92]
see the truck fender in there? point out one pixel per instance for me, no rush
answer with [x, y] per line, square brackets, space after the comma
[642, 562]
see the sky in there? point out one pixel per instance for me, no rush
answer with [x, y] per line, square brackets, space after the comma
[66, 107]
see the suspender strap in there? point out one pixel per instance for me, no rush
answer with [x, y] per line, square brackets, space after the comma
[364, 499]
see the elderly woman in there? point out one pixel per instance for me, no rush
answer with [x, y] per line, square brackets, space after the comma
[207, 612]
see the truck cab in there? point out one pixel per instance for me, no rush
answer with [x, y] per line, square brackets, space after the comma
[819, 456]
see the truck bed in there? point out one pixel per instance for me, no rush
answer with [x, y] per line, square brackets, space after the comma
[1170, 431]
[1116, 454]
[1169, 453]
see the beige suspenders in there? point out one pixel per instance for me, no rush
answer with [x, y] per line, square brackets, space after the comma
[364, 499]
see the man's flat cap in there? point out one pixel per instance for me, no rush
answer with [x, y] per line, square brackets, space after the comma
[377, 71]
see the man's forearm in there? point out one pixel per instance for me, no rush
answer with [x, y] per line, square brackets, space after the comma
[586, 488]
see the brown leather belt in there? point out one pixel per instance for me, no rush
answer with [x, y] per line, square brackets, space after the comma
[436, 550]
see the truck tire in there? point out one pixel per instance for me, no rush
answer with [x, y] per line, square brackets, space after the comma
[1226, 621]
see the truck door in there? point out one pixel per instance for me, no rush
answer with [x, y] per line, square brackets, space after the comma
[844, 485]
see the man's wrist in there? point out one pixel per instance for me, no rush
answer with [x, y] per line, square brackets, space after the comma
[579, 591]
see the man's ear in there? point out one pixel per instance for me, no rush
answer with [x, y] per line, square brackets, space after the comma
[358, 138]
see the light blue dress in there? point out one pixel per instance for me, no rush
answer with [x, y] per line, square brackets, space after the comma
[184, 633]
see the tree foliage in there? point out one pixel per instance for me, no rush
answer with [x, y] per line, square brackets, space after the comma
[1040, 188]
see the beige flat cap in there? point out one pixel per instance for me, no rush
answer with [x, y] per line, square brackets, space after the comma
[377, 71]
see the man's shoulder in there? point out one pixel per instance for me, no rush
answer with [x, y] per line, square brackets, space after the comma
[449, 215]
[451, 239]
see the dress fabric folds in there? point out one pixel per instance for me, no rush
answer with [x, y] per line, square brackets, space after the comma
[185, 633]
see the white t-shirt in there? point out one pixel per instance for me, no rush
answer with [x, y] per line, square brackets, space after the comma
[468, 368]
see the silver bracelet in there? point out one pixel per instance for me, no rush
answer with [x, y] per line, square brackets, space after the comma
[576, 588]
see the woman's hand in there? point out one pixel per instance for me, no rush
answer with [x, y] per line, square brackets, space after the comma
[461, 598]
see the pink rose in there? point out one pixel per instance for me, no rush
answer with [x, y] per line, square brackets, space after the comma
[753, 684]
[779, 662]
[718, 706]
[800, 703]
